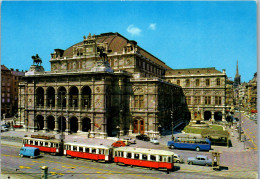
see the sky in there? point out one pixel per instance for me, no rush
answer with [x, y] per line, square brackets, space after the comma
[182, 34]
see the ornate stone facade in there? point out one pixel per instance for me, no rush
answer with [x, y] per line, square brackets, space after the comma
[105, 85]
[204, 89]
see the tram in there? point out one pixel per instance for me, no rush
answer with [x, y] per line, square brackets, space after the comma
[151, 158]
[99, 153]
[52, 146]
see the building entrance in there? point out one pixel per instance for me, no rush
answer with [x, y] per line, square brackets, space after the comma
[139, 126]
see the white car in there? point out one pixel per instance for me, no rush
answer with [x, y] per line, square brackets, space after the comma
[130, 140]
[154, 141]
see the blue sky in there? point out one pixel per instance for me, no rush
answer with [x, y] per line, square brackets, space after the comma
[182, 34]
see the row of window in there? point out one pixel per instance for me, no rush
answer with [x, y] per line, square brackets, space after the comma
[87, 149]
[207, 100]
[139, 156]
[40, 143]
[197, 82]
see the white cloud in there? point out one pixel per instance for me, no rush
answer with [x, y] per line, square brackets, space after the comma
[133, 30]
[152, 26]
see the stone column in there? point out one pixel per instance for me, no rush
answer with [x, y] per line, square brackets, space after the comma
[67, 130]
[80, 125]
[45, 128]
[45, 100]
[56, 101]
[223, 115]
[67, 100]
[80, 102]
[212, 116]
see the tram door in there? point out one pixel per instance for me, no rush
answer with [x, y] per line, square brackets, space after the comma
[139, 126]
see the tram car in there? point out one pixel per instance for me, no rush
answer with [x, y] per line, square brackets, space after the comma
[52, 146]
[99, 153]
[151, 158]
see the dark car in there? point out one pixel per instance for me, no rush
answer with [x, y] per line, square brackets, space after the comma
[143, 137]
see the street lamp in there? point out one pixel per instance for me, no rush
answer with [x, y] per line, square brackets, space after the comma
[117, 127]
[172, 122]
[62, 137]
[240, 121]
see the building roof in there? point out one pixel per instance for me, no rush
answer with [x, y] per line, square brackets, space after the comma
[116, 42]
[193, 71]
[3, 67]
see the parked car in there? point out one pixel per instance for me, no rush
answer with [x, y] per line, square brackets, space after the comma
[6, 125]
[4, 128]
[130, 140]
[154, 141]
[119, 143]
[31, 152]
[126, 142]
[177, 159]
[143, 137]
[199, 160]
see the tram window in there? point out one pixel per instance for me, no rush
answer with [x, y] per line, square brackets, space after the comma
[144, 157]
[80, 149]
[57, 145]
[121, 154]
[94, 151]
[41, 143]
[46, 144]
[153, 158]
[160, 158]
[129, 155]
[101, 151]
[74, 148]
[51, 145]
[169, 159]
[136, 156]
[87, 150]
[35, 142]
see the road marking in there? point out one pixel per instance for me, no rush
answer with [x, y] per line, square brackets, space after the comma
[38, 161]
[25, 167]
[55, 168]
[101, 177]
[55, 173]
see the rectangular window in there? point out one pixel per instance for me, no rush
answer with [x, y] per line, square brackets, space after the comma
[153, 158]
[188, 99]
[207, 99]
[87, 150]
[144, 157]
[136, 156]
[197, 100]
[138, 101]
[128, 155]
[207, 82]
[80, 149]
[218, 100]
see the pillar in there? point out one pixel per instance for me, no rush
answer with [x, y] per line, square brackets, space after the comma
[56, 128]
[80, 125]
[212, 116]
[45, 128]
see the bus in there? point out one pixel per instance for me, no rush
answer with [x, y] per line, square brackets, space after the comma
[51, 146]
[190, 143]
[99, 153]
[151, 158]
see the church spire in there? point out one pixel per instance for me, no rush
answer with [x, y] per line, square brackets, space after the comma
[237, 73]
[237, 78]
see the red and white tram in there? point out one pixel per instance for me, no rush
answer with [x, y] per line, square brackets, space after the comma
[52, 146]
[94, 152]
[158, 159]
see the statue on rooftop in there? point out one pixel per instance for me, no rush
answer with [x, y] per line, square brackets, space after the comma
[37, 60]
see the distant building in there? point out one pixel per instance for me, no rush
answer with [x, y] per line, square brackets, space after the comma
[205, 91]
[252, 94]
[9, 89]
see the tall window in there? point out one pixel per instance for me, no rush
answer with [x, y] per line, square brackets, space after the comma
[139, 101]
[218, 82]
[187, 83]
[218, 100]
[197, 100]
[188, 99]
[207, 99]
[178, 82]
[207, 82]
[197, 82]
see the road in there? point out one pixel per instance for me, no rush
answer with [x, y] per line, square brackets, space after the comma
[250, 132]
[62, 167]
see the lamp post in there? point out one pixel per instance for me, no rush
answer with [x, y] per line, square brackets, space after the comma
[117, 127]
[240, 121]
[62, 137]
[172, 121]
